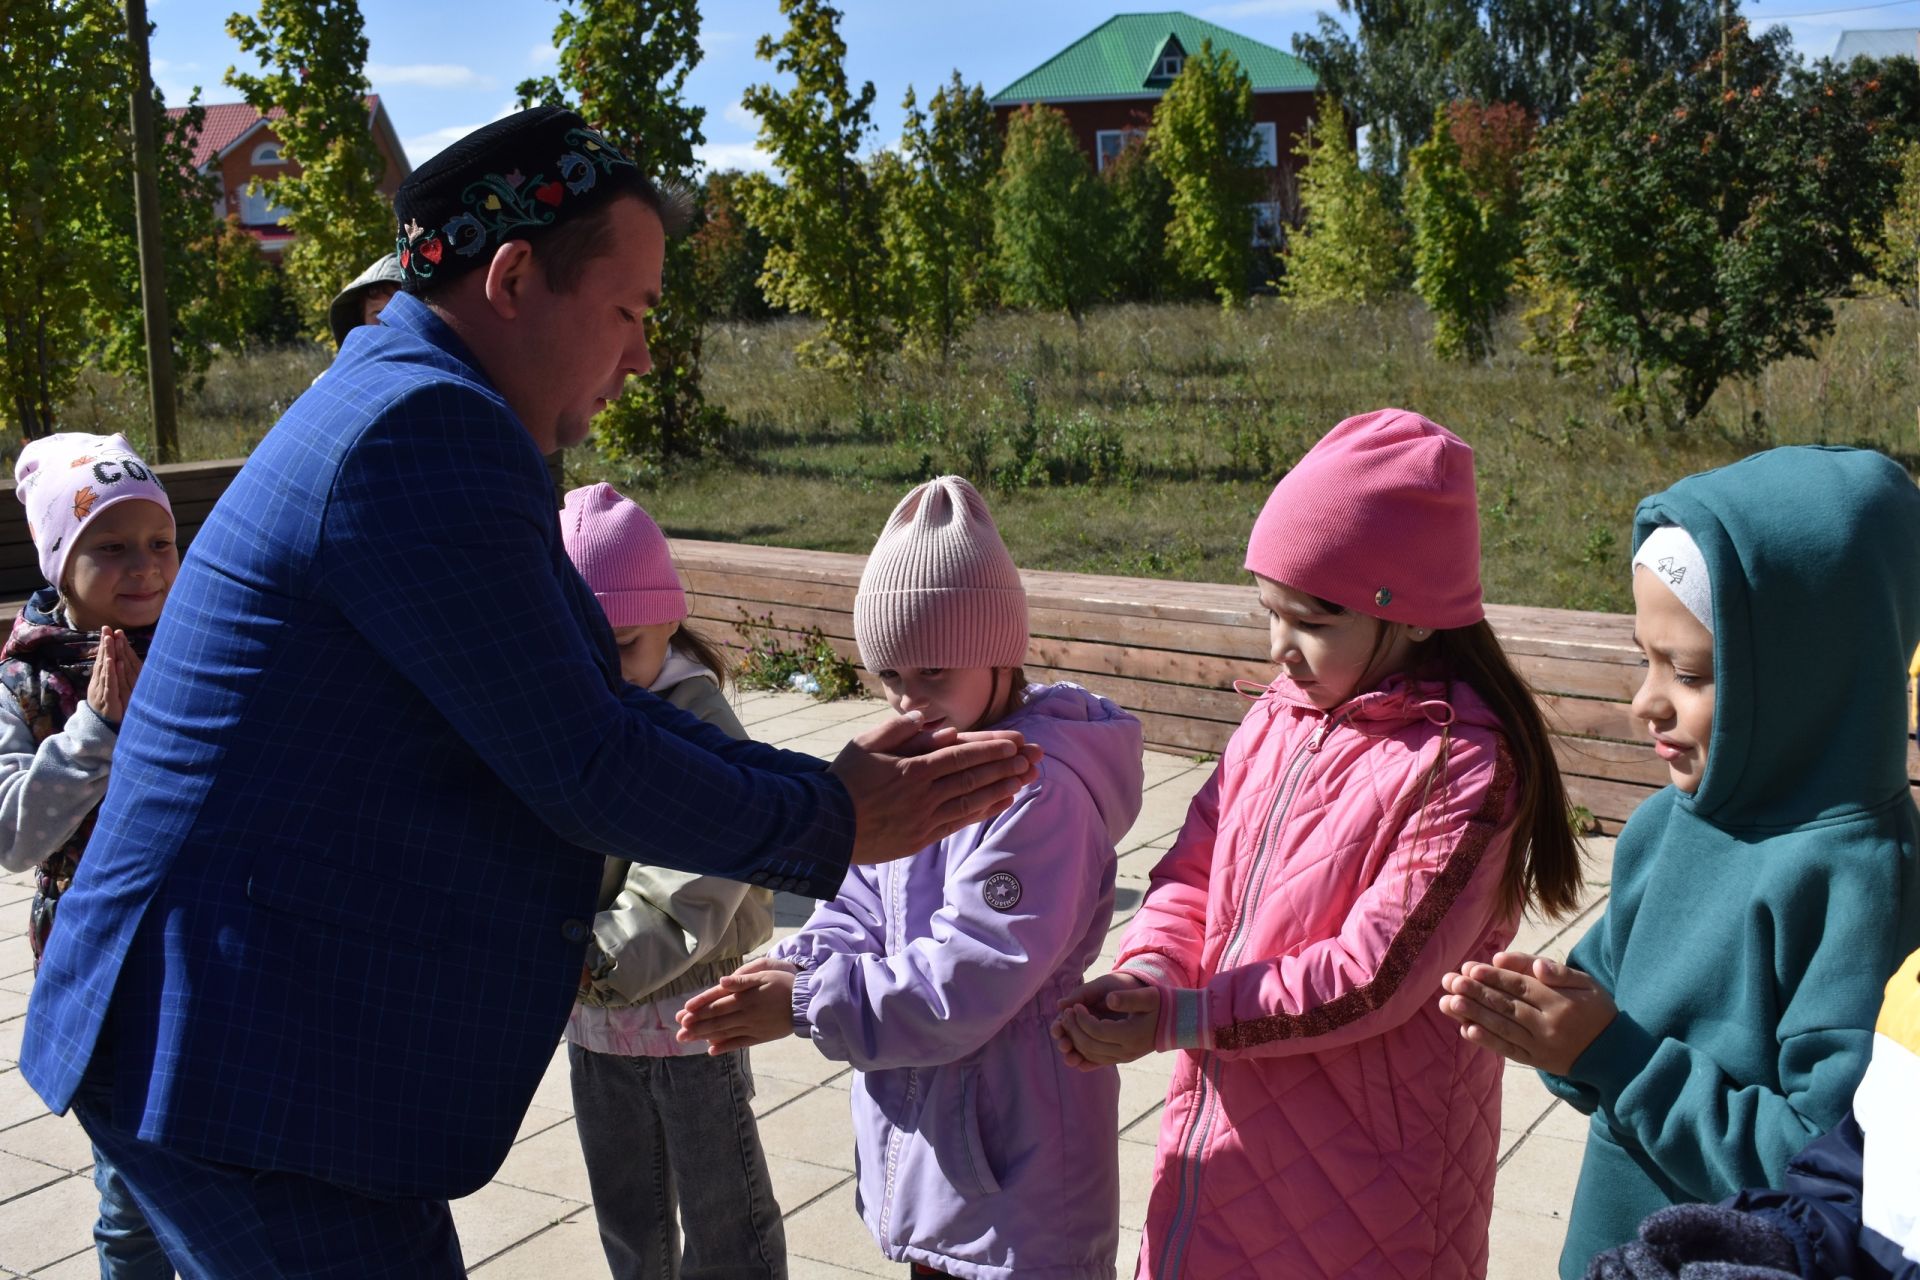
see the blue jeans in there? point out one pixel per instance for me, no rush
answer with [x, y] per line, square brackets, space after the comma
[128, 1248]
[675, 1137]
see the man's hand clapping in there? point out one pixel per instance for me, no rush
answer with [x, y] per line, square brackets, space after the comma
[910, 788]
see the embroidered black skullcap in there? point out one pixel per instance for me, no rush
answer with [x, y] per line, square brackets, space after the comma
[510, 180]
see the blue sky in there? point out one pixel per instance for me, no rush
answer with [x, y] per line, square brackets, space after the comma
[447, 67]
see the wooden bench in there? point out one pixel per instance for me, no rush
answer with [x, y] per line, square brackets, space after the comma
[1170, 652]
[1167, 651]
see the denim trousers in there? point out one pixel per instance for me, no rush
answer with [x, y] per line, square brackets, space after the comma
[124, 1240]
[674, 1138]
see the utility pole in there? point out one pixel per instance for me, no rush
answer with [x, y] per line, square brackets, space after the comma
[153, 273]
[1726, 21]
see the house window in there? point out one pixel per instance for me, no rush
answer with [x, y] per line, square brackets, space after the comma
[1109, 143]
[1266, 141]
[268, 153]
[1170, 65]
[258, 210]
[1269, 226]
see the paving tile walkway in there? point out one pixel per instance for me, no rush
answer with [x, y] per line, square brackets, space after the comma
[534, 1221]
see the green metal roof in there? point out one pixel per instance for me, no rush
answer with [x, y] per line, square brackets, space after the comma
[1118, 58]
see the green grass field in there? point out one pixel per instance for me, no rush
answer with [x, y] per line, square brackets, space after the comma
[1145, 443]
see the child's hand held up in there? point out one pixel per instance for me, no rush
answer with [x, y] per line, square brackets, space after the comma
[1534, 1011]
[752, 1005]
[115, 668]
[1108, 1021]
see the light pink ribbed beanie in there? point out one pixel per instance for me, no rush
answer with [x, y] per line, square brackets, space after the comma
[1378, 517]
[940, 589]
[622, 554]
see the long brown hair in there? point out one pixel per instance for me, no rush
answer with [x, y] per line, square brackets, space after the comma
[1544, 866]
[705, 652]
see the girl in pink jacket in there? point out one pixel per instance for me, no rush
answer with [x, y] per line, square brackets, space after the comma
[1385, 811]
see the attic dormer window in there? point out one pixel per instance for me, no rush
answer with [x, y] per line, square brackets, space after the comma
[1170, 65]
[268, 153]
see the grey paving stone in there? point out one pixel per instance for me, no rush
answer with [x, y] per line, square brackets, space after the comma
[1143, 1092]
[50, 1139]
[19, 1175]
[42, 1227]
[828, 1230]
[497, 1217]
[84, 1265]
[556, 1088]
[796, 1183]
[18, 1102]
[549, 1162]
[1538, 1178]
[1524, 1246]
[815, 1127]
[793, 1058]
[16, 956]
[1523, 1099]
[770, 1092]
[568, 1250]
[812, 1269]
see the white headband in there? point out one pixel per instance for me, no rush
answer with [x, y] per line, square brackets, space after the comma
[1670, 554]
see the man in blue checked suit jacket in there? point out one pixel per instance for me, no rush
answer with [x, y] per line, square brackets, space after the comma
[329, 928]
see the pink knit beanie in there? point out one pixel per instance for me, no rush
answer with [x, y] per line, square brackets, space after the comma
[1379, 517]
[940, 589]
[622, 554]
[66, 479]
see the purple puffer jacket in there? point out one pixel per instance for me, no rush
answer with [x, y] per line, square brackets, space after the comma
[981, 1152]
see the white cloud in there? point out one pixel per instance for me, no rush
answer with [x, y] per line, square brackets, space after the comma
[737, 114]
[423, 145]
[176, 80]
[733, 155]
[710, 38]
[428, 75]
[543, 54]
[1263, 8]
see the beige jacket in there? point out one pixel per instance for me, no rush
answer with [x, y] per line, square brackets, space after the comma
[663, 933]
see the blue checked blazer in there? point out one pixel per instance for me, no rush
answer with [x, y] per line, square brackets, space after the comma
[333, 915]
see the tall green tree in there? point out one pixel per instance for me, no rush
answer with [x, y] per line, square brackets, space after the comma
[1703, 222]
[1463, 201]
[314, 54]
[1405, 59]
[825, 254]
[63, 113]
[728, 252]
[1050, 216]
[1202, 139]
[940, 215]
[624, 65]
[1141, 200]
[1351, 246]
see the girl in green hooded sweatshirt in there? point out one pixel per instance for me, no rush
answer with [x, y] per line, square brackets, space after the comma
[1721, 1013]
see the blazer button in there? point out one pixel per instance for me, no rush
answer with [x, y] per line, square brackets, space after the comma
[574, 931]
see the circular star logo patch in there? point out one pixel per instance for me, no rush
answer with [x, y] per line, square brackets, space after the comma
[1002, 891]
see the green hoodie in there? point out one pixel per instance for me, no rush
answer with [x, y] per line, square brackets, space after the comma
[1754, 923]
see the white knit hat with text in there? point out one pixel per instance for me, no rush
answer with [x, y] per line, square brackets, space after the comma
[940, 589]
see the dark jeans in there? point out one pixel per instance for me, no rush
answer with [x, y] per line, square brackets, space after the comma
[225, 1222]
[667, 1137]
[126, 1244]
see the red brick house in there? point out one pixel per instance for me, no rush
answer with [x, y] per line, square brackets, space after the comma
[1107, 83]
[237, 144]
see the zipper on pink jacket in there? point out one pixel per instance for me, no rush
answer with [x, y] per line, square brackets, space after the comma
[897, 926]
[1187, 1195]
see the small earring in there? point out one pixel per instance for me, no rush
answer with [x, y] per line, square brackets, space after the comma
[1421, 633]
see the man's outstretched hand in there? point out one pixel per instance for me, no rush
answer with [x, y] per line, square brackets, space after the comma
[911, 788]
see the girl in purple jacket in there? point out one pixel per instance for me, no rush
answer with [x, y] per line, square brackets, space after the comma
[982, 1153]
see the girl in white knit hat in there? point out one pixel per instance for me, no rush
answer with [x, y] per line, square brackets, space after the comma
[981, 1152]
[103, 528]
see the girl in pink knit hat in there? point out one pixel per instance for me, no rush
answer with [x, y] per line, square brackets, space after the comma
[1384, 812]
[982, 1153]
[668, 1132]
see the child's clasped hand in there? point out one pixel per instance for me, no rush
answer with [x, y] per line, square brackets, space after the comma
[1108, 1021]
[752, 1005]
[1535, 1011]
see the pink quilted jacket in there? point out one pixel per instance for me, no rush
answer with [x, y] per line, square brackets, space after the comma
[1325, 1119]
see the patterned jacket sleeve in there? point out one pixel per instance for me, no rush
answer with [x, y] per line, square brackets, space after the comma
[1437, 897]
[440, 545]
[1162, 943]
[47, 789]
